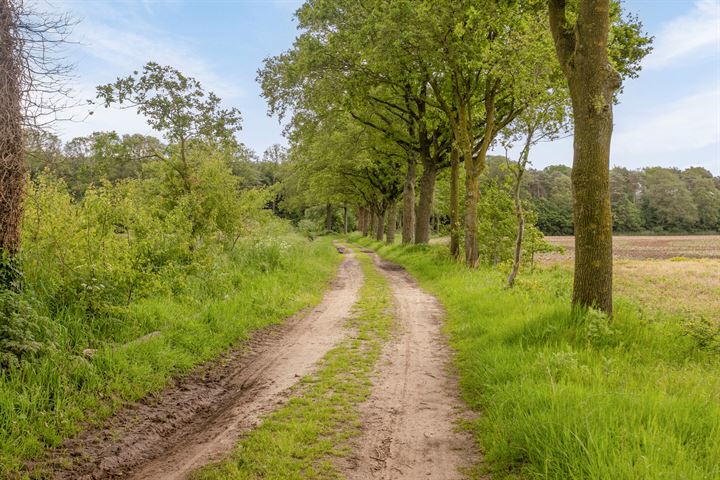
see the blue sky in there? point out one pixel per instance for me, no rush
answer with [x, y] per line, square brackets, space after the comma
[670, 116]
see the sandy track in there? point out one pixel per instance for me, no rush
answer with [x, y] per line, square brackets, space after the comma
[410, 420]
[201, 418]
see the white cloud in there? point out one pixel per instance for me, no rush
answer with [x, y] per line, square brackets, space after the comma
[687, 124]
[114, 40]
[696, 35]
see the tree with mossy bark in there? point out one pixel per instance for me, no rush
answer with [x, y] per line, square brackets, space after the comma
[594, 63]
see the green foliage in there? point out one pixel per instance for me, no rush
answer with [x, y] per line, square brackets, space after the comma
[497, 225]
[653, 199]
[23, 332]
[563, 396]
[200, 310]
[173, 104]
[298, 440]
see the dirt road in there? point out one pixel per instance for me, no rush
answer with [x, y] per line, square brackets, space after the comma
[201, 418]
[410, 421]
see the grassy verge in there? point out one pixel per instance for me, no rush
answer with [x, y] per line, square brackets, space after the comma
[300, 440]
[637, 398]
[47, 399]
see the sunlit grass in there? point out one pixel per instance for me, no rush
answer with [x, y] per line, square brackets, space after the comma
[635, 398]
[300, 440]
[47, 399]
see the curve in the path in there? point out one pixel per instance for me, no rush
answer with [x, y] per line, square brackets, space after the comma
[410, 421]
[200, 420]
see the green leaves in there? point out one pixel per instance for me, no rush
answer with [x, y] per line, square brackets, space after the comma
[173, 104]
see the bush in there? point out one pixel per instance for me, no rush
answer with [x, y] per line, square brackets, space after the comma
[23, 332]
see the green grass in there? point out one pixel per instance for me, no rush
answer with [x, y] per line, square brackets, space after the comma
[300, 440]
[47, 399]
[637, 398]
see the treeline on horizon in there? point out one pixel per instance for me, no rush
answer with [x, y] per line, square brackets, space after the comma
[653, 200]
[649, 200]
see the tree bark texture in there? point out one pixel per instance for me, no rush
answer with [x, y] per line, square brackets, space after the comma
[454, 203]
[328, 217]
[582, 51]
[408, 220]
[379, 226]
[424, 210]
[391, 223]
[12, 161]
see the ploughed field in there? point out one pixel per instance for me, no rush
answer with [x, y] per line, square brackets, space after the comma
[675, 274]
[648, 247]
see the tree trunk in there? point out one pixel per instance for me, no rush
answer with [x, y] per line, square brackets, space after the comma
[328, 217]
[373, 223]
[379, 226]
[424, 211]
[345, 219]
[391, 223]
[408, 220]
[12, 161]
[472, 196]
[582, 51]
[519, 236]
[454, 203]
[364, 220]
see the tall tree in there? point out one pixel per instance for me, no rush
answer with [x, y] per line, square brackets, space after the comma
[581, 38]
[31, 88]
[12, 161]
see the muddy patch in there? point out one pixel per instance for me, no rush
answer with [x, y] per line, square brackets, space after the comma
[200, 417]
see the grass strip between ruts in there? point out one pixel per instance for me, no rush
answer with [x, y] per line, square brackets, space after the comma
[301, 439]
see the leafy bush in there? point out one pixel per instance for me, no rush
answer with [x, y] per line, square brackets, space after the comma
[22, 330]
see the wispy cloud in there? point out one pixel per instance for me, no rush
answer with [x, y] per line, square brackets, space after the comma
[687, 124]
[693, 35]
[115, 39]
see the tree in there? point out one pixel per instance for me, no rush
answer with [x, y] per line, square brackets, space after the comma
[543, 120]
[582, 46]
[30, 86]
[666, 202]
[178, 107]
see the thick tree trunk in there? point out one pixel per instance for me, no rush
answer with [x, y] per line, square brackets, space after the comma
[454, 203]
[373, 223]
[379, 226]
[408, 220]
[391, 223]
[424, 211]
[328, 217]
[582, 51]
[345, 219]
[364, 221]
[12, 161]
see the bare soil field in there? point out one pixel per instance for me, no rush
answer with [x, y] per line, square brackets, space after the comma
[649, 247]
[676, 274]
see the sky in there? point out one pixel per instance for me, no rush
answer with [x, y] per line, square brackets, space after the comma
[669, 116]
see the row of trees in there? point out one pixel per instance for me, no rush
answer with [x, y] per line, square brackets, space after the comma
[386, 95]
[654, 199]
[108, 156]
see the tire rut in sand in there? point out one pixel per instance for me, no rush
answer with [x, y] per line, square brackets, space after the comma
[201, 418]
[410, 422]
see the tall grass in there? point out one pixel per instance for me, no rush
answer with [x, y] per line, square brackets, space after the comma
[565, 398]
[48, 398]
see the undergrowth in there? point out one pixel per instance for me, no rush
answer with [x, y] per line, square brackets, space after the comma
[635, 397]
[94, 366]
[300, 440]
